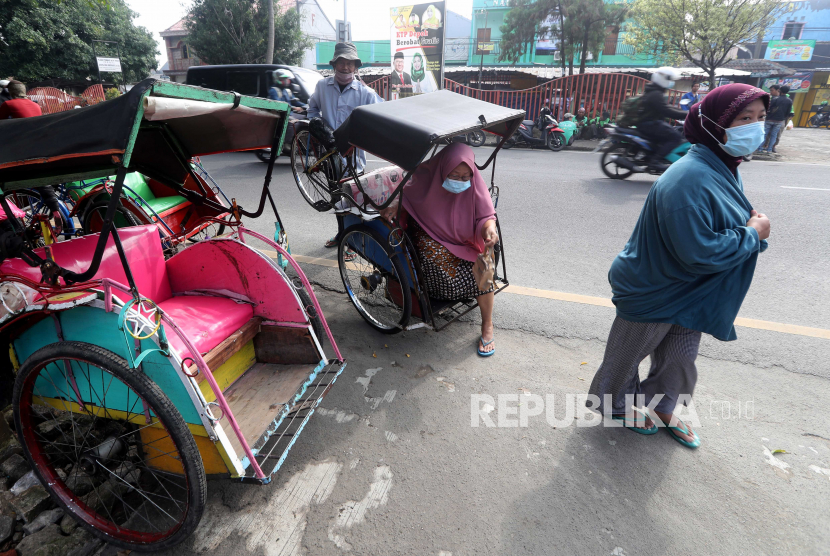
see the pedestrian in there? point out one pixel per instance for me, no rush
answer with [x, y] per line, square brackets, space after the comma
[779, 110]
[335, 97]
[687, 266]
[785, 90]
[18, 106]
[691, 96]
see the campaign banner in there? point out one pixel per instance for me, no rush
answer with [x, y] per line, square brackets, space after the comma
[417, 39]
[790, 51]
[798, 82]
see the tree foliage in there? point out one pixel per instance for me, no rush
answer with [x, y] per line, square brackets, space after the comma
[53, 40]
[580, 26]
[701, 31]
[236, 32]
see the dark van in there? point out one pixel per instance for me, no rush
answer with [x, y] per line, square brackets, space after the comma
[252, 79]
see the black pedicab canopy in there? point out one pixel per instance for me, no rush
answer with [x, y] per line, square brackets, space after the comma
[153, 128]
[403, 131]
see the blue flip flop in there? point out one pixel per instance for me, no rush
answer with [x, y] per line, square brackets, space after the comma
[635, 427]
[684, 430]
[484, 345]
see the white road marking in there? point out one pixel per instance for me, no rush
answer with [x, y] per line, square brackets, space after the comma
[365, 380]
[277, 528]
[339, 415]
[388, 397]
[820, 470]
[807, 188]
[354, 513]
[774, 461]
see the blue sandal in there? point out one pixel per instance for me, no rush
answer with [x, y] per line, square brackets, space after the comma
[637, 426]
[484, 345]
[685, 430]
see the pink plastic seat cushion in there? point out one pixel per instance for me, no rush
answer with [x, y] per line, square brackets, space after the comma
[142, 246]
[16, 211]
[206, 320]
[378, 185]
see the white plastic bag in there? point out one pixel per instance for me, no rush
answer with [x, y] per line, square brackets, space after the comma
[790, 124]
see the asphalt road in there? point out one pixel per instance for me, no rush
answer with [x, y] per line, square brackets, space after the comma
[400, 457]
[563, 223]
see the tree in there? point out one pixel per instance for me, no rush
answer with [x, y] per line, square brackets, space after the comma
[236, 32]
[580, 25]
[701, 31]
[53, 40]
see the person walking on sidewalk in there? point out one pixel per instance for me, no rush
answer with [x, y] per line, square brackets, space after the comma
[779, 111]
[335, 97]
[687, 266]
[785, 91]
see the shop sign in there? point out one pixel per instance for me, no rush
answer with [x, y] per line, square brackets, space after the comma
[798, 83]
[790, 51]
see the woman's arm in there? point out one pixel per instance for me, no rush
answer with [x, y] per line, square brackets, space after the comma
[489, 233]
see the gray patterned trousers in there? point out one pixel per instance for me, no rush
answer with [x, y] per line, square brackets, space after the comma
[673, 350]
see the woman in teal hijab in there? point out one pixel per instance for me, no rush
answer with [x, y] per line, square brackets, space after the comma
[417, 72]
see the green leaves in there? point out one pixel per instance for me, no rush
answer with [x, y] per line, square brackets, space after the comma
[236, 31]
[51, 40]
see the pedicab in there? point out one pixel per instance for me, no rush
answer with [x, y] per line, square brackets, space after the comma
[137, 377]
[385, 281]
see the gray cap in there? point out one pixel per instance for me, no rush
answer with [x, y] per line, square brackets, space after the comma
[347, 51]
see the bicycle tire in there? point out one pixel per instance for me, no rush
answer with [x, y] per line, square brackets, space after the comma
[124, 218]
[315, 186]
[87, 508]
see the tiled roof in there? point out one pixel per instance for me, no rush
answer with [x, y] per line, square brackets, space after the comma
[177, 28]
[760, 66]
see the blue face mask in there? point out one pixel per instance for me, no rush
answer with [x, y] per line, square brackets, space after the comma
[742, 140]
[455, 186]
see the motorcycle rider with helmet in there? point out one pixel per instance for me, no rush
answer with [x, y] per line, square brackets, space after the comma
[282, 91]
[653, 109]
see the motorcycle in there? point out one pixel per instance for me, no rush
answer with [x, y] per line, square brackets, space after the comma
[475, 138]
[821, 118]
[294, 117]
[552, 136]
[626, 152]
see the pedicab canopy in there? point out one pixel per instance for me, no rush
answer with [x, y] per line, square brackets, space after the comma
[403, 131]
[155, 128]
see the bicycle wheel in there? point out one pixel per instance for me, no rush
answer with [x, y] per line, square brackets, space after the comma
[315, 181]
[373, 280]
[94, 217]
[109, 446]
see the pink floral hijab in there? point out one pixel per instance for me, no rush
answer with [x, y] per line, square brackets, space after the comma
[454, 220]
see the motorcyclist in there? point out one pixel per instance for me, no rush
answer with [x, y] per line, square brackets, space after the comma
[282, 91]
[653, 109]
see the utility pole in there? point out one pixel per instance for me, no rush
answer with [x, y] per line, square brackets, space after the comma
[481, 63]
[269, 50]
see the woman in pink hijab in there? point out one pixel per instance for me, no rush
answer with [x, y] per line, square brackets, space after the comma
[452, 221]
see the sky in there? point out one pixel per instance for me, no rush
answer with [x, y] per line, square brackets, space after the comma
[369, 18]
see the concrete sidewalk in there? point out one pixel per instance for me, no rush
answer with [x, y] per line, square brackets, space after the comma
[399, 458]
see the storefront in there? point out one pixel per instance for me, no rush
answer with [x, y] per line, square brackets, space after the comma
[807, 89]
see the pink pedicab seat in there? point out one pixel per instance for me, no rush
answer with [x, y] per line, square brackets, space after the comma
[18, 213]
[207, 320]
[378, 185]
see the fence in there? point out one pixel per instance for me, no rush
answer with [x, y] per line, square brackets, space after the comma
[593, 91]
[52, 100]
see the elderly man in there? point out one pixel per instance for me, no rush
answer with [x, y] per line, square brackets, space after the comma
[335, 97]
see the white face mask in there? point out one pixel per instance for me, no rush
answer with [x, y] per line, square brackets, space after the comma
[456, 186]
[742, 140]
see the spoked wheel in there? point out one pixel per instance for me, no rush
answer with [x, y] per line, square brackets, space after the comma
[373, 280]
[94, 217]
[316, 181]
[609, 164]
[476, 138]
[212, 230]
[556, 141]
[109, 446]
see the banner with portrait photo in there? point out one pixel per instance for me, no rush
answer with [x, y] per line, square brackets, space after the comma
[417, 40]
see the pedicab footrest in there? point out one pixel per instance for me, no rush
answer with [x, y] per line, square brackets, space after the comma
[284, 420]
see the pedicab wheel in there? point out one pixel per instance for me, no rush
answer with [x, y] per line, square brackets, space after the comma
[313, 317]
[212, 230]
[476, 138]
[94, 217]
[609, 165]
[312, 179]
[373, 280]
[556, 141]
[82, 418]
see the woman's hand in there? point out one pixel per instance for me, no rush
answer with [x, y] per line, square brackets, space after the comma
[760, 222]
[390, 212]
[489, 234]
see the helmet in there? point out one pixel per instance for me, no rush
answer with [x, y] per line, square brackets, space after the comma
[284, 74]
[665, 77]
[823, 103]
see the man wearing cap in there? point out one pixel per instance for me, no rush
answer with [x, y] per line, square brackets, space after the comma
[335, 97]
[399, 79]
